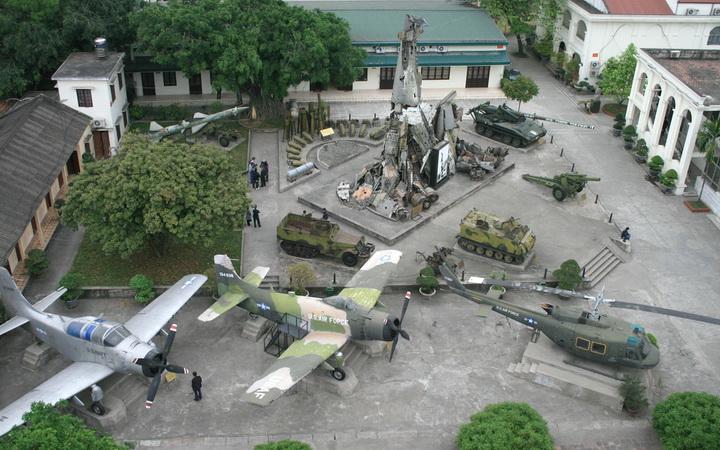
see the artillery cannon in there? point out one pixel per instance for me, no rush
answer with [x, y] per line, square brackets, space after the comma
[512, 127]
[562, 185]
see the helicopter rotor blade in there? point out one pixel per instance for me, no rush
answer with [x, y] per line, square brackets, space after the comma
[665, 311]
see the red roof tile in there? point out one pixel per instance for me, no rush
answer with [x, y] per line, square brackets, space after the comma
[638, 7]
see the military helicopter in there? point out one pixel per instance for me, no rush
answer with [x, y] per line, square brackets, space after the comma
[587, 334]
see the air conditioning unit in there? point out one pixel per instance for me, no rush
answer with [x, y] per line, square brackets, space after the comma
[423, 49]
[595, 64]
[674, 54]
[716, 12]
[379, 49]
[692, 12]
[441, 49]
[98, 123]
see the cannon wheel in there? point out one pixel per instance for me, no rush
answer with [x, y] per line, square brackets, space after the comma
[559, 193]
[224, 141]
[349, 259]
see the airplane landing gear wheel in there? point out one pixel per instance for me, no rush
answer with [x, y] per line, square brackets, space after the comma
[98, 408]
[338, 374]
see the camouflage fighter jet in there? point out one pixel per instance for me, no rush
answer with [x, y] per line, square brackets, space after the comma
[320, 326]
[97, 346]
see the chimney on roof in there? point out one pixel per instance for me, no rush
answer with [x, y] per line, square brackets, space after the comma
[101, 47]
[674, 54]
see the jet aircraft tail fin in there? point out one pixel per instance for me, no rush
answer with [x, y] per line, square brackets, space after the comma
[452, 280]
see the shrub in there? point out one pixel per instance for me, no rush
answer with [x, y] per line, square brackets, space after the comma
[688, 420]
[176, 112]
[560, 59]
[215, 107]
[87, 158]
[568, 275]
[301, 274]
[142, 286]
[138, 112]
[653, 340]
[656, 163]
[71, 281]
[427, 280]
[505, 425]
[670, 177]
[641, 147]
[36, 261]
[633, 391]
[283, 445]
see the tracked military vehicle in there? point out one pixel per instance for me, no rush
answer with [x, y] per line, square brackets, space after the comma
[307, 237]
[512, 127]
[495, 237]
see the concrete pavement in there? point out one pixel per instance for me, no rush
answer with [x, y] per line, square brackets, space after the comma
[455, 364]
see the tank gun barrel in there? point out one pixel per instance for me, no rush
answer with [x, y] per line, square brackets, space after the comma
[550, 119]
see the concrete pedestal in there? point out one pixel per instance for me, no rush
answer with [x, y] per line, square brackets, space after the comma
[323, 379]
[37, 355]
[255, 328]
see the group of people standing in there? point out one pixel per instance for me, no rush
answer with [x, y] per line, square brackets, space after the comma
[258, 176]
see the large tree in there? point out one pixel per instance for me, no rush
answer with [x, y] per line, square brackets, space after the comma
[152, 192]
[255, 47]
[522, 15]
[50, 428]
[36, 36]
[688, 420]
[617, 76]
[522, 89]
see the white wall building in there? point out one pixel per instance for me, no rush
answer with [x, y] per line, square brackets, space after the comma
[593, 31]
[673, 93]
[95, 85]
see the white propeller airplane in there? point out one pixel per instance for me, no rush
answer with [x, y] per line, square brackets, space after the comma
[98, 347]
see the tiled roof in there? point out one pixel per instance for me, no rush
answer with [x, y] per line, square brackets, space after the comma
[36, 139]
[638, 7]
[697, 69]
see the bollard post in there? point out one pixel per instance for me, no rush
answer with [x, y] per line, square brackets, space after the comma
[610, 221]
[583, 275]
[573, 168]
[561, 151]
[334, 279]
[545, 275]
[596, 197]
[462, 278]
[552, 136]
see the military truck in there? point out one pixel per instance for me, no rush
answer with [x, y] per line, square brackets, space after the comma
[307, 237]
[495, 237]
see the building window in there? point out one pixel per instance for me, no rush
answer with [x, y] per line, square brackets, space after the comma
[112, 93]
[714, 38]
[581, 30]
[120, 81]
[169, 79]
[363, 75]
[566, 20]
[125, 121]
[84, 98]
[435, 73]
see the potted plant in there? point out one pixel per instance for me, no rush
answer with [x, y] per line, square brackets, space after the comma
[498, 275]
[572, 68]
[427, 281]
[71, 281]
[629, 134]
[656, 164]
[568, 275]
[544, 47]
[668, 180]
[633, 393]
[641, 150]
[560, 59]
[36, 262]
[301, 275]
[142, 287]
[619, 124]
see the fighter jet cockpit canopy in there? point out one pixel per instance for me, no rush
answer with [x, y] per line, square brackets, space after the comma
[341, 302]
[98, 331]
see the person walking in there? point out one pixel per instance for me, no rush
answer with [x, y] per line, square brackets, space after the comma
[248, 217]
[196, 385]
[256, 217]
[263, 173]
[326, 214]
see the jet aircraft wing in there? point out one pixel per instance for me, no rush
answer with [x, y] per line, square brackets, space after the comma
[64, 384]
[367, 284]
[298, 360]
[233, 298]
[151, 319]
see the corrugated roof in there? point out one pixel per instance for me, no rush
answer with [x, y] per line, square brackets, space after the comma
[36, 139]
[638, 7]
[442, 59]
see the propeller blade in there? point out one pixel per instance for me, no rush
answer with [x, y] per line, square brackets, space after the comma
[146, 362]
[404, 334]
[392, 350]
[401, 332]
[175, 369]
[169, 341]
[153, 390]
[405, 306]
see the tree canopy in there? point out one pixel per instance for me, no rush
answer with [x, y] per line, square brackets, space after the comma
[155, 191]
[255, 47]
[505, 425]
[36, 36]
[522, 89]
[521, 15]
[688, 420]
[617, 76]
[49, 428]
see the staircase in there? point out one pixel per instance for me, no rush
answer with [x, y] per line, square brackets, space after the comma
[601, 264]
[282, 335]
[270, 281]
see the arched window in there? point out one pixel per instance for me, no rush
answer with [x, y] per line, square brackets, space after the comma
[643, 83]
[714, 38]
[566, 20]
[581, 30]
[682, 135]
[656, 92]
[667, 120]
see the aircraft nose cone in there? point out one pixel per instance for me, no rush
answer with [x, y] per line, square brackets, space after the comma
[653, 358]
[391, 328]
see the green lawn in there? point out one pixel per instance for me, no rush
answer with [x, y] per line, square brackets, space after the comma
[99, 269]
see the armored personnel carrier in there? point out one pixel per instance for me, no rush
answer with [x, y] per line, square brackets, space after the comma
[306, 237]
[495, 237]
[512, 127]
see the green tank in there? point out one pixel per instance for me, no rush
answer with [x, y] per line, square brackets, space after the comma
[495, 237]
[307, 237]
